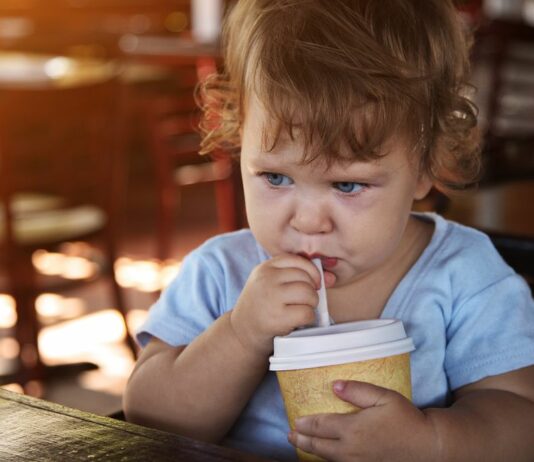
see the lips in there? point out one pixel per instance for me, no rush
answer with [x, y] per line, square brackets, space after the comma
[327, 262]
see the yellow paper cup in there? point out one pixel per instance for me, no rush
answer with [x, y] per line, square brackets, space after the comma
[308, 361]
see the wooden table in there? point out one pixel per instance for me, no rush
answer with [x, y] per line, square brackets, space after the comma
[37, 430]
[506, 208]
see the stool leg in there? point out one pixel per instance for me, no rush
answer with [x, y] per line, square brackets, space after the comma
[118, 297]
[168, 202]
[27, 327]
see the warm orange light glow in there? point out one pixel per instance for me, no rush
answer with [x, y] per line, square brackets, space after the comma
[49, 263]
[141, 274]
[97, 338]
[115, 366]
[58, 67]
[135, 318]
[145, 275]
[169, 272]
[71, 338]
[14, 387]
[69, 334]
[124, 272]
[8, 313]
[50, 306]
[9, 348]
[78, 268]
[67, 266]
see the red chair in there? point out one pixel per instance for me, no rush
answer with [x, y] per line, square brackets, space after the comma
[60, 146]
[174, 142]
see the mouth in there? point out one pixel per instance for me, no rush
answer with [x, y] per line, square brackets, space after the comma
[326, 262]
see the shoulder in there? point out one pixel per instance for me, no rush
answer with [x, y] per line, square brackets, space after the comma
[466, 256]
[462, 288]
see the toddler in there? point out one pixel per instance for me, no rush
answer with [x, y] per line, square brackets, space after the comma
[343, 113]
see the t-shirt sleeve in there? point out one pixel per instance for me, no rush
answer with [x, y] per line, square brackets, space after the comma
[189, 304]
[491, 332]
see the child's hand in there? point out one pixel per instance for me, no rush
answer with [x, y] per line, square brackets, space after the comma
[279, 296]
[389, 427]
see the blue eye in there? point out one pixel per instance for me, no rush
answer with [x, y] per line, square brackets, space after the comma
[277, 179]
[348, 187]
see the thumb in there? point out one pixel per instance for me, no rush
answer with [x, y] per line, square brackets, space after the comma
[363, 394]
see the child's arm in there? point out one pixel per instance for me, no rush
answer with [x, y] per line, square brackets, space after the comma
[199, 390]
[490, 420]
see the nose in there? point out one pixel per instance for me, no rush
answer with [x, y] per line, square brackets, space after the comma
[311, 218]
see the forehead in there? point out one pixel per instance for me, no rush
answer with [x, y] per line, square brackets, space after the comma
[261, 144]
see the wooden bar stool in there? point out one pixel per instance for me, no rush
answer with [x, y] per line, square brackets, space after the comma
[174, 142]
[62, 178]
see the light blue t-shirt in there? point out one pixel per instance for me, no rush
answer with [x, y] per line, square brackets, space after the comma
[469, 315]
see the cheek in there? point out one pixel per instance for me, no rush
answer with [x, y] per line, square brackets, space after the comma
[251, 191]
[265, 225]
[373, 230]
[261, 207]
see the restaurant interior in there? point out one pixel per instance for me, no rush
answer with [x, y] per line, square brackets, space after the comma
[90, 240]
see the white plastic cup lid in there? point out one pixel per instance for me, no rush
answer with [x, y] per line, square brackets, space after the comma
[340, 344]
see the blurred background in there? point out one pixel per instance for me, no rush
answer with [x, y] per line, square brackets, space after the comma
[103, 192]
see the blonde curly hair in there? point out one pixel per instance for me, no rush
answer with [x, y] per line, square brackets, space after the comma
[314, 64]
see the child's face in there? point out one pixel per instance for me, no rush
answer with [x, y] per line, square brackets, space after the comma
[354, 215]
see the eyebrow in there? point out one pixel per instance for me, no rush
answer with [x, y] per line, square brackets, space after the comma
[362, 174]
[339, 172]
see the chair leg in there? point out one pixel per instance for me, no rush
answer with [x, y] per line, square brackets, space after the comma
[26, 333]
[226, 213]
[119, 301]
[118, 297]
[27, 325]
[30, 366]
[168, 202]
[226, 199]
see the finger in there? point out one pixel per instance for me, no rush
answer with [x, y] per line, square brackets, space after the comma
[296, 261]
[299, 315]
[364, 395]
[323, 447]
[300, 293]
[288, 275]
[321, 425]
[329, 279]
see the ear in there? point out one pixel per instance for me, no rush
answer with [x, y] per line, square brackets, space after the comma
[423, 186]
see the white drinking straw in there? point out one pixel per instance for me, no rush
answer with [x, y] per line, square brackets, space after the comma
[322, 318]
